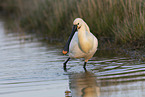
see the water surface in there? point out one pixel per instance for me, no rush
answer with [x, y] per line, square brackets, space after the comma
[29, 68]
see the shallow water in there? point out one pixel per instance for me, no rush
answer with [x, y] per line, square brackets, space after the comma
[29, 68]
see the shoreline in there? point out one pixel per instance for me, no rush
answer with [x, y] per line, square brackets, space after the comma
[105, 45]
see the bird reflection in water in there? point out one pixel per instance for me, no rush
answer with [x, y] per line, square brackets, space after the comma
[83, 84]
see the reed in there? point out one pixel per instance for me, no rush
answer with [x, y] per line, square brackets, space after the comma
[112, 21]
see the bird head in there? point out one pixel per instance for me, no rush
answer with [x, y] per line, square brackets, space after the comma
[78, 22]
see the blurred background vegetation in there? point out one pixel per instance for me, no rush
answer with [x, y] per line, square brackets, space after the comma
[113, 22]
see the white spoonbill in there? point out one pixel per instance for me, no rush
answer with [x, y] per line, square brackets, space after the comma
[81, 43]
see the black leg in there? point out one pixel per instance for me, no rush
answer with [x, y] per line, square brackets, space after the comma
[85, 65]
[64, 64]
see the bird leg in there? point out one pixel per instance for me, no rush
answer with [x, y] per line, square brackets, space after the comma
[64, 64]
[85, 65]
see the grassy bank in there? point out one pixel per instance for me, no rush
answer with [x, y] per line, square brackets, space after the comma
[113, 22]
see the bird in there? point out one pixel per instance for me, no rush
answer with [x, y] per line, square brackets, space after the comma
[81, 42]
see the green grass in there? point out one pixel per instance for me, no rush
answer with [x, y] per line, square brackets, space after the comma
[119, 22]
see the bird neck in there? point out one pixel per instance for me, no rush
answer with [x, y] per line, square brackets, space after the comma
[82, 35]
[84, 38]
[87, 27]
